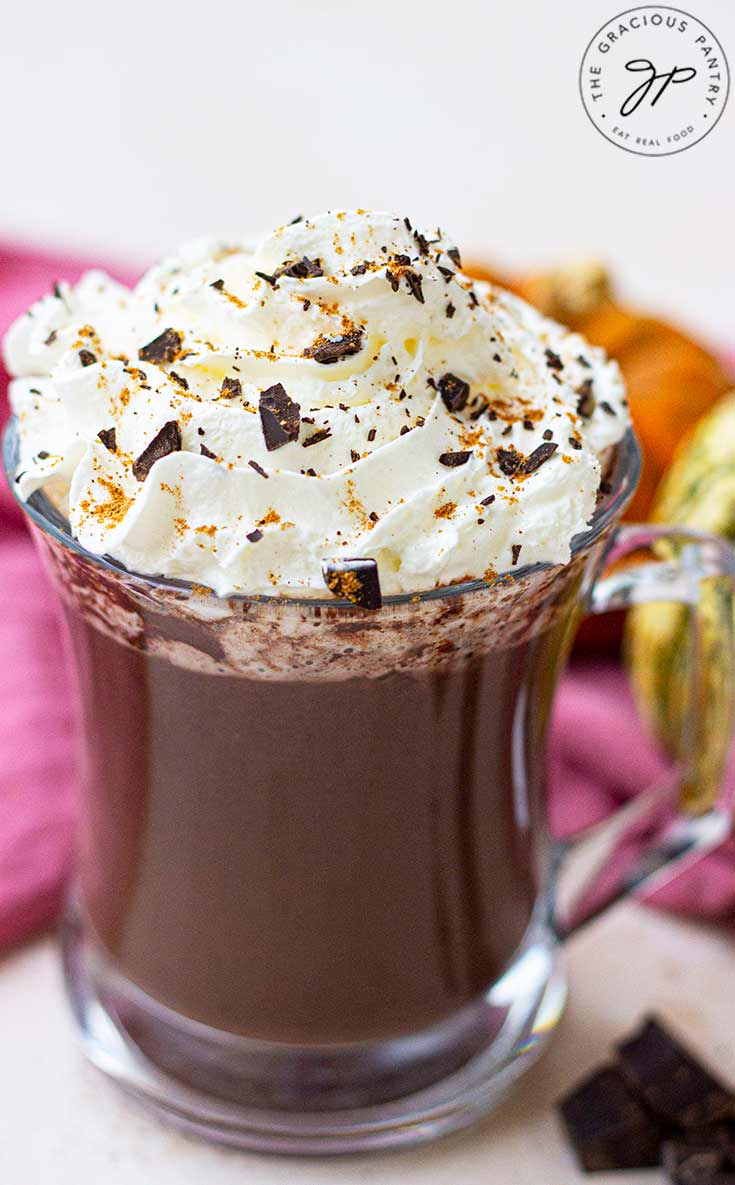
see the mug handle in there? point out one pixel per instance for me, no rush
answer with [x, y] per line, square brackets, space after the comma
[658, 833]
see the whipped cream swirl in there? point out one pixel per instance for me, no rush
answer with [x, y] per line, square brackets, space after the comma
[342, 390]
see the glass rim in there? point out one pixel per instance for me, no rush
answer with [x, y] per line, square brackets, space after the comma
[44, 515]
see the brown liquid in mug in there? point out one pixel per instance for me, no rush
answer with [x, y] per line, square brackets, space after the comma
[310, 862]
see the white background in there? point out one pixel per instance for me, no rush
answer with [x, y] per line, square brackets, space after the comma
[129, 126]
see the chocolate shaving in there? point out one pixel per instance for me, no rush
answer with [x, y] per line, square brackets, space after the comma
[453, 254]
[258, 468]
[515, 551]
[254, 536]
[359, 269]
[574, 443]
[452, 460]
[272, 280]
[671, 1082]
[164, 348]
[586, 401]
[454, 391]
[230, 389]
[108, 436]
[447, 273]
[354, 457]
[279, 417]
[87, 358]
[414, 281]
[205, 452]
[608, 1127]
[177, 378]
[167, 440]
[372, 434]
[538, 457]
[488, 501]
[509, 460]
[334, 350]
[355, 580]
[553, 361]
[392, 279]
[317, 437]
[302, 269]
[606, 407]
[450, 310]
[421, 243]
[218, 284]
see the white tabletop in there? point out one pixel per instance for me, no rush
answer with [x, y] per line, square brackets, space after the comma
[61, 1123]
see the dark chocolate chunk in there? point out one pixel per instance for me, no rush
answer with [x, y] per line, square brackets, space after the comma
[302, 269]
[87, 358]
[574, 443]
[49, 341]
[298, 218]
[254, 536]
[402, 260]
[354, 457]
[488, 501]
[447, 273]
[372, 434]
[392, 279]
[407, 225]
[537, 457]
[218, 284]
[317, 437]
[230, 389]
[164, 348]
[553, 361]
[515, 551]
[258, 468]
[606, 407]
[414, 281]
[454, 392]
[279, 417]
[354, 580]
[205, 452]
[359, 269]
[167, 440]
[421, 243]
[335, 349]
[272, 280]
[583, 361]
[453, 254]
[548, 434]
[509, 460]
[608, 1127]
[178, 379]
[108, 436]
[42, 455]
[669, 1079]
[452, 460]
[586, 402]
[450, 310]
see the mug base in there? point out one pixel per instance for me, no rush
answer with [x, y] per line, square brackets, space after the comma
[311, 1100]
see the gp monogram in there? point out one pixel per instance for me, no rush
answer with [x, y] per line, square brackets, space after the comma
[654, 80]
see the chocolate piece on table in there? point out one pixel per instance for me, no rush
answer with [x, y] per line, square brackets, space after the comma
[168, 440]
[354, 580]
[280, 417]
[164, 348]
[672, 1083]
[698, 1164]
[608, 1126]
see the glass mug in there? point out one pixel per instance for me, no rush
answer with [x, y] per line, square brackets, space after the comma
[318, 906]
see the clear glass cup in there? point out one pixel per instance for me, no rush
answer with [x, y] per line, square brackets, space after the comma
[318, 905]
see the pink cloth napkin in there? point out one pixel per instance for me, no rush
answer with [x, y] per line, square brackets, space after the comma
[599, 756]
